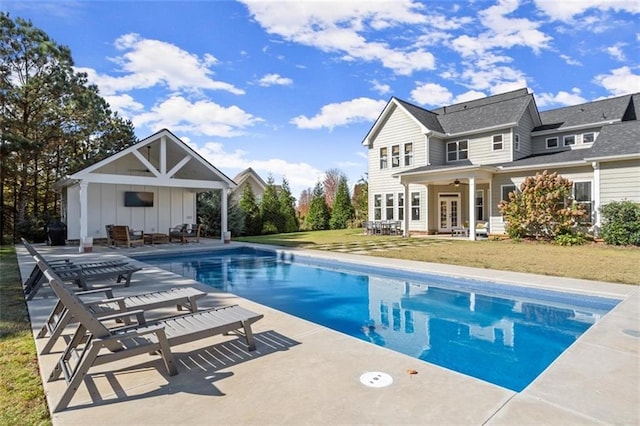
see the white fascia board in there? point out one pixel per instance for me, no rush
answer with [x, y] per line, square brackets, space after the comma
[153, 181]
[615, 157]
[570, 128]
[446, 170]
[475, 131]
[507, 169]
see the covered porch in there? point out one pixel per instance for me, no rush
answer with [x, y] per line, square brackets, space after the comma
[458, 200]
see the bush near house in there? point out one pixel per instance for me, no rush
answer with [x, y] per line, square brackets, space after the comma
[542, 209]
[621, 223]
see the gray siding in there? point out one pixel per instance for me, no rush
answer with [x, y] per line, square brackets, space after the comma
[524, 130]
[437, 153]
[620, 180]
[540, 141]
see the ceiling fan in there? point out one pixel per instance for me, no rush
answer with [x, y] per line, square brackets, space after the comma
[457, 183]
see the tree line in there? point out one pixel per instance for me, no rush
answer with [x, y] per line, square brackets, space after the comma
[52, 124]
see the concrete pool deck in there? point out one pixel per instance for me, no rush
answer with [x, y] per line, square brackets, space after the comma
[306, 374]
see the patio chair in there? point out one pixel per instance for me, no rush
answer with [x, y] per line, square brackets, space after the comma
[482, 228]
[60, 316]
[94, 344]
[123, 235]
[185, 232]
[79, 273]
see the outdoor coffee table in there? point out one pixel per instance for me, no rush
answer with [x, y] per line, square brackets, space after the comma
[155, 238]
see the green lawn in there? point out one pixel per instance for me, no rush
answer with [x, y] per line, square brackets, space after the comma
[22, 399]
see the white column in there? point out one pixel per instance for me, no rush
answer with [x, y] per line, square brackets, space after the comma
[223, 213]
[595, 191]
[472, 208]
[84, 214]
[407, 209]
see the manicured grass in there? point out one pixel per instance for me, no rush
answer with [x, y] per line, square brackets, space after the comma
[597, 262]
[22, 399]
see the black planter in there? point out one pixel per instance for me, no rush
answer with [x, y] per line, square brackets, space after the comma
[56, 233]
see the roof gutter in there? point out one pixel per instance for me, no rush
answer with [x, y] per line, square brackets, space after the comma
[615, 157]
[474, 131]
[503, 169]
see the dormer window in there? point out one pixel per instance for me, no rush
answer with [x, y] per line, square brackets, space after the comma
[569, 140]
[552, 143]
[497, 142]
[588, 137]
[457, 151]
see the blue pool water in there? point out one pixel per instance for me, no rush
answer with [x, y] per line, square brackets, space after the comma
[504, 335]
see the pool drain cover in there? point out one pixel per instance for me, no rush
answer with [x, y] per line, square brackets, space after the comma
[376, 379]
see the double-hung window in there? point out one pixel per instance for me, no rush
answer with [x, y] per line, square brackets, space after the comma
[582, 195]
[401, 205]
[415, 206]
[457, 151]
[479, 204]
[383, 158]
[505, 190]
[395, 156]
[552, 143]
[389, 205]
[569, 140]
[516, 142]
[377, 207]
[408, 154]
[497, 142]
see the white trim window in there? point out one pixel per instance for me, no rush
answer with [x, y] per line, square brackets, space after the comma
[588, 137]
[377, 207]
[516, 142]
[383, 158]
[568, 140]
[389, 207]
[552, 142]
[497, 142]
[415, 206]
[479, 204]
[401, 205]
[505, 190]
[395, 156]
[582, 195]
[457, 151]
[408, 154]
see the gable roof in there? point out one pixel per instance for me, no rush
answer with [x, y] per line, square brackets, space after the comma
[247, 173]
[603, 111]
[168, 167]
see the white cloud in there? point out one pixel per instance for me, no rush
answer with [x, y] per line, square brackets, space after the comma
[570, 61]
[431, 94]
[562, 98]
[616, 52]
[342, 114]
[300, 175]
[201, 117]
[620, 82]
[274, 80]
[381, 88]
[125, 104]
[567, 9]
[339, 27]
[147, 63]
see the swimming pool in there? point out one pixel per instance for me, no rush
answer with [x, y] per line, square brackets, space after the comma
[506, 335]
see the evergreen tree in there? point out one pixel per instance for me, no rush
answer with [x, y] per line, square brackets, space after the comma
[210, 214]
[318, 215]
[342, 211]
[287, 208]
[360, 200]
[272, 219]
[252, 219]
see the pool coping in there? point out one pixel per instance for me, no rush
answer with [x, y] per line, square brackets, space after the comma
[594, 381]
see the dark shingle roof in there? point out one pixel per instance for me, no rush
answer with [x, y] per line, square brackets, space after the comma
[427, 118]
[591, 112]
[617, 139]
[549, 159]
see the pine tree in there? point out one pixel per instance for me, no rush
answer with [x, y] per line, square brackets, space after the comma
[342, 211]
[287, 208]
[252, 219]
[318, 215]
[272, 219]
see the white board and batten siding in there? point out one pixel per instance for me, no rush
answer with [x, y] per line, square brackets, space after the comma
[106, 206]
[398, 129]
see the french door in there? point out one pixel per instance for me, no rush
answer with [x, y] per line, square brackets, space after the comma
[448, 212]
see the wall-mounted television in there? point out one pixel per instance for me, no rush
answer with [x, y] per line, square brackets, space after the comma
[138, 199]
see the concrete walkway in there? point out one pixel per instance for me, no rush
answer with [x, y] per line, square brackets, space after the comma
[305, 374]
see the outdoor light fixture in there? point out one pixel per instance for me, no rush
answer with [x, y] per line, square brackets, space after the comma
[456, 182]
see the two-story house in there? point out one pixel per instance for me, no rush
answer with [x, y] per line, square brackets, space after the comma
[435, 170]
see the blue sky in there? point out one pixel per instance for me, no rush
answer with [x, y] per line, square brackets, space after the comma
[291, 88]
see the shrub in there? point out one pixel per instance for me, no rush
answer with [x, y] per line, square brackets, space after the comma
[543, 207]
[621, 223]
[570, 239]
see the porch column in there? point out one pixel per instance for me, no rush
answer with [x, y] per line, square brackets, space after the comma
[84, 214]
[407, 210]
[472, 208]
[223, 214]
[596, 196]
